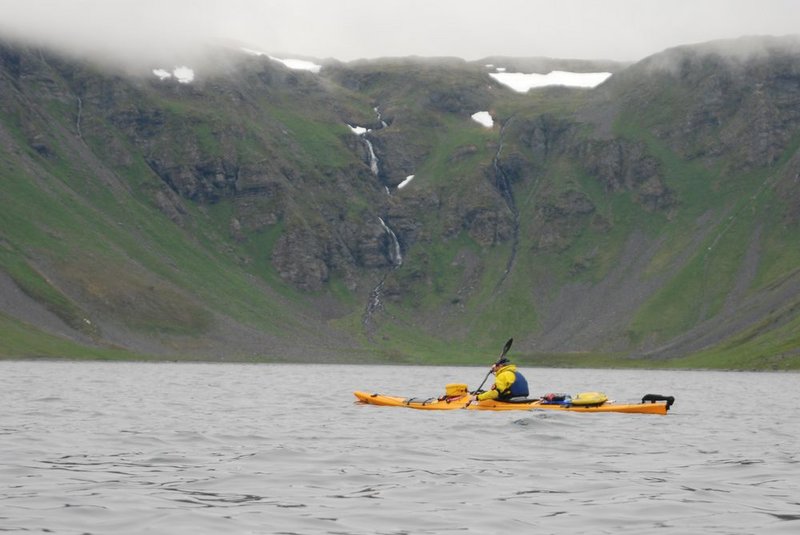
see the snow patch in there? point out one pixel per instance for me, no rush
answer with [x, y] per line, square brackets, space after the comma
[484, 118]
[183, 74]
[162, 74]
[358, 130]
[522, 82]
[405, 182]
[294, 64]
[299, 64]
[253, 52]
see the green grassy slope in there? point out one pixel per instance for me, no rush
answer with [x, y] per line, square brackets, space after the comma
[184, 221]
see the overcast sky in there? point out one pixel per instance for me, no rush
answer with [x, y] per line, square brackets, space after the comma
[352, 29]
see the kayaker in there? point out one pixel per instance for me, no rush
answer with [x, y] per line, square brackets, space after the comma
[508, 383]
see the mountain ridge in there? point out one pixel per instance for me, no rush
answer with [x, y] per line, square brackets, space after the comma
[239, 217]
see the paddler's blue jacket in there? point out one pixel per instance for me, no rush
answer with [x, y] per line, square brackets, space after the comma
[508, 383]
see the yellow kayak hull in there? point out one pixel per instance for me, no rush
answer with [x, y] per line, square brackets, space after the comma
[462, 402]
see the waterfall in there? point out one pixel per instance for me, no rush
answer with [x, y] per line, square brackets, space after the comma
[504, 187]
[378, 113]
[373, 160]
[374, 306]
[395, 254]
[362, 132]
[78, 120]
[375, 301]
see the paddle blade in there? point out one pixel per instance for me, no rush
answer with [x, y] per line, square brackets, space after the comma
[506, 347]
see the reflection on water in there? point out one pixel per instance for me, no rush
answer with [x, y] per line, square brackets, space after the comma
[205, 448]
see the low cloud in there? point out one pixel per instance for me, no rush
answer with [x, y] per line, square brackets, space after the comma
[172, 31]
[131, 32]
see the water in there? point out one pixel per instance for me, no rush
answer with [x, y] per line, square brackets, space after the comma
[225, 448]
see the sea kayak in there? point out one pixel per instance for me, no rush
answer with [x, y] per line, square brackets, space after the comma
[651, 404]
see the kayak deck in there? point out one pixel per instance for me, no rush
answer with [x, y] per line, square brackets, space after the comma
[462, 402]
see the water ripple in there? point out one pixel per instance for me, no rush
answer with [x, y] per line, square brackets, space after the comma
[127, 448]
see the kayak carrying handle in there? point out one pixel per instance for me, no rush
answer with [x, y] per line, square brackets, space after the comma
[652, 398]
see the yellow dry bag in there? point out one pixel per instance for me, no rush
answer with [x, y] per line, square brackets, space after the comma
[589, 398]
[454, 390]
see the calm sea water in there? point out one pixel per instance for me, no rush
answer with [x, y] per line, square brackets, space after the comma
[119, 448]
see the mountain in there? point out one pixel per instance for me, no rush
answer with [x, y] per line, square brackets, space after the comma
[250, 209]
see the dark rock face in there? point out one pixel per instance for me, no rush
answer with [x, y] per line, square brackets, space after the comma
[399, 154]
[143, 124]
[742, 107]
[567, 204]
[488, 226]
[463, 100]
[373, 245]
[513, 167]
[259, 204]
[206, 182]
[562, 217]
[626, 166]
[299, 256]
[620, 165]
[548, 136]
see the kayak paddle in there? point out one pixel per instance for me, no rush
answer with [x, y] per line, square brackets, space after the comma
[503, 354]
